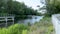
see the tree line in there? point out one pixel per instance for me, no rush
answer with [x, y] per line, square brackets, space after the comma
[19, 9]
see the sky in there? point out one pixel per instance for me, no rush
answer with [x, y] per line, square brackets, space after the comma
[31, 3]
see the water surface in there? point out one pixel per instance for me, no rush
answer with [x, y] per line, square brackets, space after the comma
[31, 20]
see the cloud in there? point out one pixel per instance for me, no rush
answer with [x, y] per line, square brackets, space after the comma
[31, 3]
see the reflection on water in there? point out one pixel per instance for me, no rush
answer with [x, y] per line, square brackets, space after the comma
[32, 20]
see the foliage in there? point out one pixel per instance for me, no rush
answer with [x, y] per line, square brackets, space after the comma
[14, 29]
[43, 27]
[24, 32]
[52, 7]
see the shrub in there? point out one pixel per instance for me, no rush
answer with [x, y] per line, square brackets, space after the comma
[14, 29]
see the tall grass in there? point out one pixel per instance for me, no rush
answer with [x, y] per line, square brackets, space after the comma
[43, 27]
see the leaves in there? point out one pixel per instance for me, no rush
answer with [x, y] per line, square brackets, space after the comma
[52, 7]
[14, 29]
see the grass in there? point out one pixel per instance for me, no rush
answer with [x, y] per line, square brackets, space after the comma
[43, 27]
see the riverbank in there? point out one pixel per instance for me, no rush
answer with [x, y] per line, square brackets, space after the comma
[43, 27]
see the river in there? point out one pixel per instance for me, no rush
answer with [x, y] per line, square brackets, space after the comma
[31, 20]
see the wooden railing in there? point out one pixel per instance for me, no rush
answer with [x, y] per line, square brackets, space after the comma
[8, 20]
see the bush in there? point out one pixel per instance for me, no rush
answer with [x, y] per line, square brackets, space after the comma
[14, 29]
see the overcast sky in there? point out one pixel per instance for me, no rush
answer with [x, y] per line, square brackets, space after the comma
[31, 3]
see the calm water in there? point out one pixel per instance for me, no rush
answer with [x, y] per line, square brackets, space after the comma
[31, 20]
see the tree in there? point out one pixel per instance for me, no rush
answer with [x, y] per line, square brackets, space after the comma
[52, 7]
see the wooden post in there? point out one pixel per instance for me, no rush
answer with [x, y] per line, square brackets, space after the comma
[13, 20]
[6, 21]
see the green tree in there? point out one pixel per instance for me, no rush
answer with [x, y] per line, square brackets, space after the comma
[52, 7]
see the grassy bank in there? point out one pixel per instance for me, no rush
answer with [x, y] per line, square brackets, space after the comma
[43, 27]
